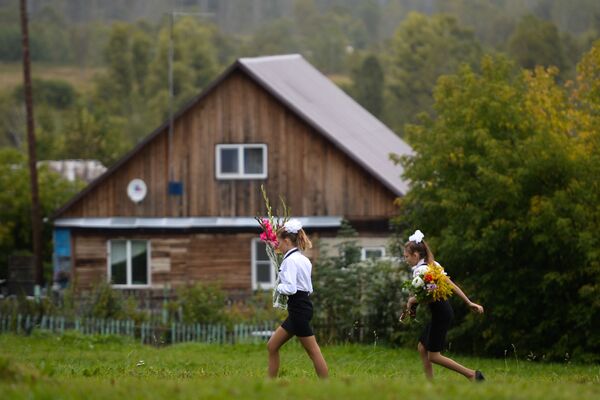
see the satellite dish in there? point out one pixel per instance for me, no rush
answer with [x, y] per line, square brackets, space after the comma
[137, 190]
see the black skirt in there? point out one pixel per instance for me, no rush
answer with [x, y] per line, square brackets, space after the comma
[300, 312]
[434, 334]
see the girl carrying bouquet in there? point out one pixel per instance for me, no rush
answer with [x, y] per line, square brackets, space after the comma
[418, 255]
[295, 282]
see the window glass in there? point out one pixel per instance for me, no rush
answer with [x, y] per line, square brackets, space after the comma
[139, 262]
[263, 272]
[373, 253]
[229, 161]
[118, 262]
[261, 251]
[253, 160]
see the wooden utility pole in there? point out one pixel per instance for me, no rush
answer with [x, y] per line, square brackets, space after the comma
[36, 221]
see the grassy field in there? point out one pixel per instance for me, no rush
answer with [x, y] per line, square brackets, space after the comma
[92, 367]
[11, 75]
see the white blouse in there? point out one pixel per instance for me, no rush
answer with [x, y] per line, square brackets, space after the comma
[294, 273]
[417, 265]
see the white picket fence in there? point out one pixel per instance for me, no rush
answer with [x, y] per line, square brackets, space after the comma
[146, 332]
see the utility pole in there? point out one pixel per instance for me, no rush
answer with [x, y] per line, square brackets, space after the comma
[36, 227]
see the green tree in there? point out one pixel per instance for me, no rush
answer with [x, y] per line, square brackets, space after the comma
[370, 13]
[368, 85]
[536, 42]
[122, 91]
[501, 189]
[422, 49]
[116, 87]
[96, 135]
[195, 64]
[15, 224]
[52, 92]
[277, 37]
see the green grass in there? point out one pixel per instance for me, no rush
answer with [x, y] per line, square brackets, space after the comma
[75, 366]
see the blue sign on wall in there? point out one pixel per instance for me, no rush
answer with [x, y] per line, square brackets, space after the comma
[62, 242]
[175, 188]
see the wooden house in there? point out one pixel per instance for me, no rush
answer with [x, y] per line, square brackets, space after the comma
[180, 206]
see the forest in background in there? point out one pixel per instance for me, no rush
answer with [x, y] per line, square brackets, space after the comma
[101, 66]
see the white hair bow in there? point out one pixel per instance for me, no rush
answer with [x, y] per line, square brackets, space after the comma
[293, 226]
[416, 237]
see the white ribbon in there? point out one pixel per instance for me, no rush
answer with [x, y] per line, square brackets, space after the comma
[416, 237]
[293, 226]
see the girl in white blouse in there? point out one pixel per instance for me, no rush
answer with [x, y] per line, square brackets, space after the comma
[295, 278]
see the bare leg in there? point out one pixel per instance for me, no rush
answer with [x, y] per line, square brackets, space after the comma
[314, 352]
[275, 342]
[438, 358]
[427, 367]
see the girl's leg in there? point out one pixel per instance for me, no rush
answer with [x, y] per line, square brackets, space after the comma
[275, 342]
[427, 367]
[438, 358]
[314, 352]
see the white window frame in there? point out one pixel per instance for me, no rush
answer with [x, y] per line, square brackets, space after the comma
[255, 284]
[363, 252]
[240, 173]
[129, 285]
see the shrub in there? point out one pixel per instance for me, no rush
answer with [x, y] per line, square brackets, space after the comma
[202, 302]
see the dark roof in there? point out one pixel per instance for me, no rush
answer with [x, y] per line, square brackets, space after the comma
[320, 103]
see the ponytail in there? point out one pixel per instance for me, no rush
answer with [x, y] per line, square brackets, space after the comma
[299, 239]
[303, 240]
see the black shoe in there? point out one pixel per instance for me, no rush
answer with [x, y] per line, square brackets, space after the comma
[479, 376]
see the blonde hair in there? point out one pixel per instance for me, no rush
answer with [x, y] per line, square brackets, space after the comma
[299, 239]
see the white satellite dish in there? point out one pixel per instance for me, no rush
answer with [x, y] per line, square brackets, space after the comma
[137, 190]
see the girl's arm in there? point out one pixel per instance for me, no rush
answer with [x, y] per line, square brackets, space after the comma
[412, 302]
[474, 306]
[410, 310]
[287, 278]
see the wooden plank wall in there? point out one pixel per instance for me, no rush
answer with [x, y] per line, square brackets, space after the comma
[176, 260]
[313, 175]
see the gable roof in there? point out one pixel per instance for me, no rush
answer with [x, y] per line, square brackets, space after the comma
[333, 113]
[317, 101]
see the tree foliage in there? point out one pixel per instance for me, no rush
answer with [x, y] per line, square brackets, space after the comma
[504, 184]
[358, 300]
[422, 49]
[368, 87]
[536, 42]
[15, 197]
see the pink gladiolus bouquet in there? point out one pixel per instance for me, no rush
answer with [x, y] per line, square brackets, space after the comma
[270, 225]
[269, 236]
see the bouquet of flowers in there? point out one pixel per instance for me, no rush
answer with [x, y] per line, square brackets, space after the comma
[429, 283]
[270, 225]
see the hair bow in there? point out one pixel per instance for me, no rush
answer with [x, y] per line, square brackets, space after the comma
[416, 237]
[292, 226]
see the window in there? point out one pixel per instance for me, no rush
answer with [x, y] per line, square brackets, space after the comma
[241, 161]
[372, 253]
[129, 263]
[263, 275]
